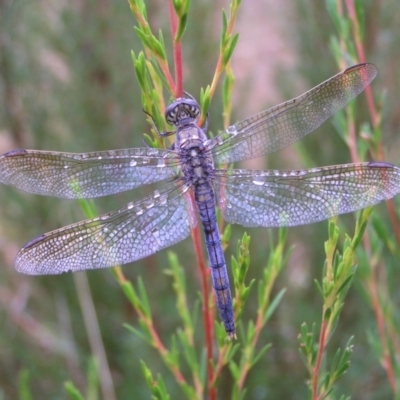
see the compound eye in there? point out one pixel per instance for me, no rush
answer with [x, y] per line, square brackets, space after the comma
[171, 115]
[182, 111]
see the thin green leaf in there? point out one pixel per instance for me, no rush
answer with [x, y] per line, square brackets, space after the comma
[261, 353]
[24, 390]
[227, 54]
[138, 333]
[73, 391]
[92, 392]
[273, 306]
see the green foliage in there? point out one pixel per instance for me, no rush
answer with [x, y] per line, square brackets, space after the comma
[157, 386]
[338, 275]
[92, 379]
[24, 387]
[73, 391]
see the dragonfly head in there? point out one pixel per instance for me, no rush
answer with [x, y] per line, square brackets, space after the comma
[182, 111]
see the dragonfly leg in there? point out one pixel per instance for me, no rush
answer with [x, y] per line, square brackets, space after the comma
[153, 123]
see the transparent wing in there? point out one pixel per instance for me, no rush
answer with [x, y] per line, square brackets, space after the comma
[288, 122]
[85, 175]
[290, 198]
[135, 231]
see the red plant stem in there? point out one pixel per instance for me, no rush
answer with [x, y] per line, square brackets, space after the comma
[138, 15]
[394, 219]
[177, 51]
[257, 331]
[219, 67]
[220, 364]
[207, 315]
[161, 62]
[387, 362]
[195, 232]
[352, 139]
[157, 343]
[178, 69]
[375, 119]
[164, 68]
[317, 367]
[361, 56]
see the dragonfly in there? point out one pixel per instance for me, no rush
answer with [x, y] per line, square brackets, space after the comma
[195, 186]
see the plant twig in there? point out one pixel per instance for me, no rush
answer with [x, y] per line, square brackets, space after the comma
[177, 52]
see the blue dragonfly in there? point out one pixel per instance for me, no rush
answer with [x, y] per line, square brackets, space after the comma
[247, 197]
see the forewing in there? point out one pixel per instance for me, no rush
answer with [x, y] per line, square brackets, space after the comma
[290, 198]
[288, 122]
[135, 231]
[85, 175]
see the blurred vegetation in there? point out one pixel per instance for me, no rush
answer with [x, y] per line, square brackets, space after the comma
[67, 83]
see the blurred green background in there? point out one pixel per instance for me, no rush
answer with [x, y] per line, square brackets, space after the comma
[67, 84]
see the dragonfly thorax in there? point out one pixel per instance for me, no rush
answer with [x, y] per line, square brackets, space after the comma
[197, 163]
[182, 111]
